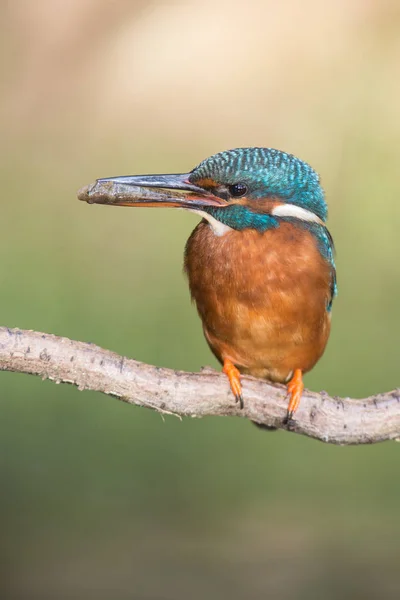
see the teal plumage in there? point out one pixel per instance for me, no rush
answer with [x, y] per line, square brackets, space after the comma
[267, 172]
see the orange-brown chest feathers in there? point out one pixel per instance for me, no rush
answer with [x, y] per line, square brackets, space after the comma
[262, 297]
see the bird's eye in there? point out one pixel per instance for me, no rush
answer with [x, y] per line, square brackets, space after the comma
[237, 189]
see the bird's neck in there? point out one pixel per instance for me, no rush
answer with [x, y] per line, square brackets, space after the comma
[240, 217]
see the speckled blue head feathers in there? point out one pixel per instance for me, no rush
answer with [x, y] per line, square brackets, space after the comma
[266, 173]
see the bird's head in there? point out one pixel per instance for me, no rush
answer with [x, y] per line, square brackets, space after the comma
[238, 189]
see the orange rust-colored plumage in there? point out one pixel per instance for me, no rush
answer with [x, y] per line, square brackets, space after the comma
[262, 297]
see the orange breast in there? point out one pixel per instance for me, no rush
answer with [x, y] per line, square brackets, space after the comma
[262, 297]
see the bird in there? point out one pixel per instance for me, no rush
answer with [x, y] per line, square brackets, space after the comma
[260, 264]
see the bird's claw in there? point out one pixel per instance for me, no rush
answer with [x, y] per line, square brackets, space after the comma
[289, 421]
[239, 400]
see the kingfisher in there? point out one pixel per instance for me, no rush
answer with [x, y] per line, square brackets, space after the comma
[260, 263]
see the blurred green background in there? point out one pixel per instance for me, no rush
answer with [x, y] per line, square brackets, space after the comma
[103, 500]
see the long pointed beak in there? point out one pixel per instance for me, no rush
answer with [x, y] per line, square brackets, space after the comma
[149, 190]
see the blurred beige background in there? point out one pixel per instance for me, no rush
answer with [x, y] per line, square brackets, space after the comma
[102, 500]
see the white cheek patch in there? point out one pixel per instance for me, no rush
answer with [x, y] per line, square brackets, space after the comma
[291, 210]
[219, 229]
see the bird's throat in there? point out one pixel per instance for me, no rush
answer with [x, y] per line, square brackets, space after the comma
[219, 228]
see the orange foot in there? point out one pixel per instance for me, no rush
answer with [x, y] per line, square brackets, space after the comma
[295, 389]
[234, 380]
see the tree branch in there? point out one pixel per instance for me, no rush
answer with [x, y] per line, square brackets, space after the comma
[333, 420]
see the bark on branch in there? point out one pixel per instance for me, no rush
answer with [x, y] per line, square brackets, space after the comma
[333, 420]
